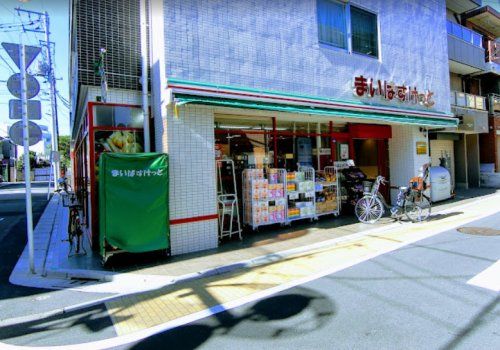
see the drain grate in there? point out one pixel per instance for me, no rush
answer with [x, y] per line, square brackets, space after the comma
[479, 231]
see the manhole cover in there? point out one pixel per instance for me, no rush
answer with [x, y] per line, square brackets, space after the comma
[479, 231]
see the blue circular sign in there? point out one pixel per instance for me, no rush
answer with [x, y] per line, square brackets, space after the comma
[32, 85]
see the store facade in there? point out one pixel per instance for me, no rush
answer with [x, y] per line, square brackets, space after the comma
[272, 85]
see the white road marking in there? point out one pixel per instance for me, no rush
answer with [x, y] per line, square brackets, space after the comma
[489, 278]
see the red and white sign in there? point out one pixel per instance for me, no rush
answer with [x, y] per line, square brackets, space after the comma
[391, 91]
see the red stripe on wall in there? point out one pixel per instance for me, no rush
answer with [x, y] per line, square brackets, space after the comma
[194, 219]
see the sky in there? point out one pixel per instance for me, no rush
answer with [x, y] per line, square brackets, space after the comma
[59, 28]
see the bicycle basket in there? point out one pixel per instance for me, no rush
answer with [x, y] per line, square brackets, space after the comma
[417, 183]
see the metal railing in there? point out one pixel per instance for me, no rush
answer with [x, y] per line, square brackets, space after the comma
[464, 33]
[462, 99]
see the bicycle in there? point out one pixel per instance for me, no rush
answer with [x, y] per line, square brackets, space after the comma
[410, 200]
[75, 231]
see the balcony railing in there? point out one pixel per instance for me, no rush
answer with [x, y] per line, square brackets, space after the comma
[493, 103]
[462, 99]
[464, 33]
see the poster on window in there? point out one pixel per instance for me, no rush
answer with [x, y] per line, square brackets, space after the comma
[344, 151]
[117, 141]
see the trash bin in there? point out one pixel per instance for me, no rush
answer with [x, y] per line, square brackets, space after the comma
[440, 183]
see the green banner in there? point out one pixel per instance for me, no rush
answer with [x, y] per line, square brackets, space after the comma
[133, 201]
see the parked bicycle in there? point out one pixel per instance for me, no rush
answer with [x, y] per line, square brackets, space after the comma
[75, 231]
[411, 201]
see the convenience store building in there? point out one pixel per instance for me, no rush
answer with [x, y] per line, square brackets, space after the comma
[265, 84]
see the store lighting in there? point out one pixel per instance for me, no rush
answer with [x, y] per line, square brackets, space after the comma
[234, 127]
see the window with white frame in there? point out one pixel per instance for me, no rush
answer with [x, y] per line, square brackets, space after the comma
[334, 20]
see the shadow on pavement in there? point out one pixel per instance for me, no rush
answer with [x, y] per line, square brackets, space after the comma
[280, 316]
[436, 217]
[478, 320]
[61, 328]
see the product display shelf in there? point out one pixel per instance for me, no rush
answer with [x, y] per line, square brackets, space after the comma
[300, 193]
[328, 192]
[264, 201]
[342, 190]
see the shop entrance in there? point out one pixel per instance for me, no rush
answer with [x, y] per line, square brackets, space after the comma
[266, 143]
[370, 148]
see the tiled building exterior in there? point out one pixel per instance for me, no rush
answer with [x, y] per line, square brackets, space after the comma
[274, 46]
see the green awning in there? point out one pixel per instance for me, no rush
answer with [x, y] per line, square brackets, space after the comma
[182, 99]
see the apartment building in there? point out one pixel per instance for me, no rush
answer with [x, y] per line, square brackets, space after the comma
[472, 30]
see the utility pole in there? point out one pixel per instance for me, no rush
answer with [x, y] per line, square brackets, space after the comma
[52, 81]
[27, 168]
[53, 102]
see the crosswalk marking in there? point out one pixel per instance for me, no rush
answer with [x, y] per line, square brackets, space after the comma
[489, 278]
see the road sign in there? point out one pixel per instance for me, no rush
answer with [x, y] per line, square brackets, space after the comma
[30, 53]
[34, 110]
[32, 85]
[16, 133]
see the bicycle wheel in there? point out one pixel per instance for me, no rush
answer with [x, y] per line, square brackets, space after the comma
[369, 209]
[417, 208]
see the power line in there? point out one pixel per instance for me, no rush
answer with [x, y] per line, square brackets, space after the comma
[7, 63]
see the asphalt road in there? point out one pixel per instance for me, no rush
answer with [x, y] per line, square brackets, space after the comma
[13, 232]
[413, 298]
[416, 297]
[15, 301]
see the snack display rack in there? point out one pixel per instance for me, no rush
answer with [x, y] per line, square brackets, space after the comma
[264, 201]
[300, 193]
[327, 188]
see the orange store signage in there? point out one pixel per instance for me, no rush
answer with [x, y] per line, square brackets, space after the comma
[390, 91]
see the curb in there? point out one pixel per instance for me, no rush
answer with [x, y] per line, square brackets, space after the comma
[249, 263]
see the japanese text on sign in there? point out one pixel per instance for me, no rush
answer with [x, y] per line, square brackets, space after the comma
[136, 173]
[391, 91]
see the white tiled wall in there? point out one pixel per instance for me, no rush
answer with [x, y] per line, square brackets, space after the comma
[274, 45]
[403, 159]
[191, 237]
[190, 142]
[131, 97]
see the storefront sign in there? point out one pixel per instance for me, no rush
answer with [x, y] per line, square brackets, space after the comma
[391, 91]
[421, 147]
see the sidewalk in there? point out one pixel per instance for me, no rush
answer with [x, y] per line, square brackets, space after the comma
[85, 275]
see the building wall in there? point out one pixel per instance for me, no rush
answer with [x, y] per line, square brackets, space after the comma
[192, 178]
[439, 148]
[456, 82]
[460, 153]
[274, 45]
[472, 151]
[487, 144]
[403, 158]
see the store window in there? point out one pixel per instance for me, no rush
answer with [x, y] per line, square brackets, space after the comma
[332, 23]
[118, 116]
[364, 32]
[335, 17]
